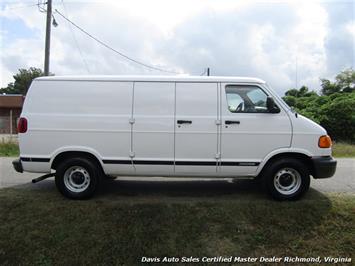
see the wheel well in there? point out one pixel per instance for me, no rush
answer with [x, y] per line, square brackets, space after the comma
[294, 155]
[71, 154]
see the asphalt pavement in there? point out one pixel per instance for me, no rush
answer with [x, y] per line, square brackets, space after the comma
[342, 182]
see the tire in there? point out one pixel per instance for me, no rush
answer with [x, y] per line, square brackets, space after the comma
[286, 179]
[78, 178]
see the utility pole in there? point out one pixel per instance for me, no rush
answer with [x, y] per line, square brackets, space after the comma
[48, 38]
[208, 71]
[296, 71]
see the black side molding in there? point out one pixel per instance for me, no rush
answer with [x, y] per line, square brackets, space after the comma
[38, 160]
[197, 163]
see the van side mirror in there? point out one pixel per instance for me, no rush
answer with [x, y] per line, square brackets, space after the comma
[271, 106]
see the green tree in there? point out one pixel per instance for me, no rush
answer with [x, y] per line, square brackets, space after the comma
[23, 81]
[294, 97]
[290, 100]
[302, 92]
[339, 117]
[329, 87]
[292, 93]
[344, 82]
[334, 109]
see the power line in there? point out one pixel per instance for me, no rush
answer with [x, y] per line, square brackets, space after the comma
[114, 50]
[41, 5]
[75, 40]
[19, 7]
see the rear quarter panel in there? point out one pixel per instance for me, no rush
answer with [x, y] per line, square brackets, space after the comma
[87, 114]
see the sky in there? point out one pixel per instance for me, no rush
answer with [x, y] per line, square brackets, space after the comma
[286, 43]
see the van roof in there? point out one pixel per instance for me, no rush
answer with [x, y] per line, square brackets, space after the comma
[177, 78]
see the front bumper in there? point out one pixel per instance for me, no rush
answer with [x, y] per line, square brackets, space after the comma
[323, 166]
[17, 165]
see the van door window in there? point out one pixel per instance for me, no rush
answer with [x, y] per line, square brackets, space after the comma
[246, 99]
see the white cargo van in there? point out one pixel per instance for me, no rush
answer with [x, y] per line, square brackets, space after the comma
[81, 129]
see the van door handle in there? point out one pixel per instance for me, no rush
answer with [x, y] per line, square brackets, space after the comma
[184, 122]
[229, 122]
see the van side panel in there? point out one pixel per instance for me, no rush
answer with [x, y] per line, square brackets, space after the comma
[88, 114]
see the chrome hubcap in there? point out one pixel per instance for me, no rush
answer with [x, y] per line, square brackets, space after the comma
[76, 179]
[287, 181]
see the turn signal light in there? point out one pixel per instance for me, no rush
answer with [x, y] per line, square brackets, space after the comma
[325, 142]
[22, 125]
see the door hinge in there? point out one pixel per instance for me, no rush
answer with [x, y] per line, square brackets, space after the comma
[218, 122]
[132, 154]
[132, 120]
[218, 156]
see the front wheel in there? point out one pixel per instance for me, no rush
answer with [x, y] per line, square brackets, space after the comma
[287, 179]
[77, 178]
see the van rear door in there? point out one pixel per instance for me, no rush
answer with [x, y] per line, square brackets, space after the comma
[152, 149]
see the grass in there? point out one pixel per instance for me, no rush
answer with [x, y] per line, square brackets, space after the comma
[41, 227]
[339, 149]
[343, 150]
[9, 149]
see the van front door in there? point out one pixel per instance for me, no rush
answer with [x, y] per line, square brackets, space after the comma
[249, 130]
[196, 129]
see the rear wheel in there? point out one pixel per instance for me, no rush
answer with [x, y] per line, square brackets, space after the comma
[77, 178]
[287, 179]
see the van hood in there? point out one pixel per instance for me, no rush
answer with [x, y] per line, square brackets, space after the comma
[306, 125]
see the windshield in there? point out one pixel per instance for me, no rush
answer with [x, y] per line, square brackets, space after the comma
[279, 98]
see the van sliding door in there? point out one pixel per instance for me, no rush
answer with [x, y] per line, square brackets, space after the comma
[196, 128]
